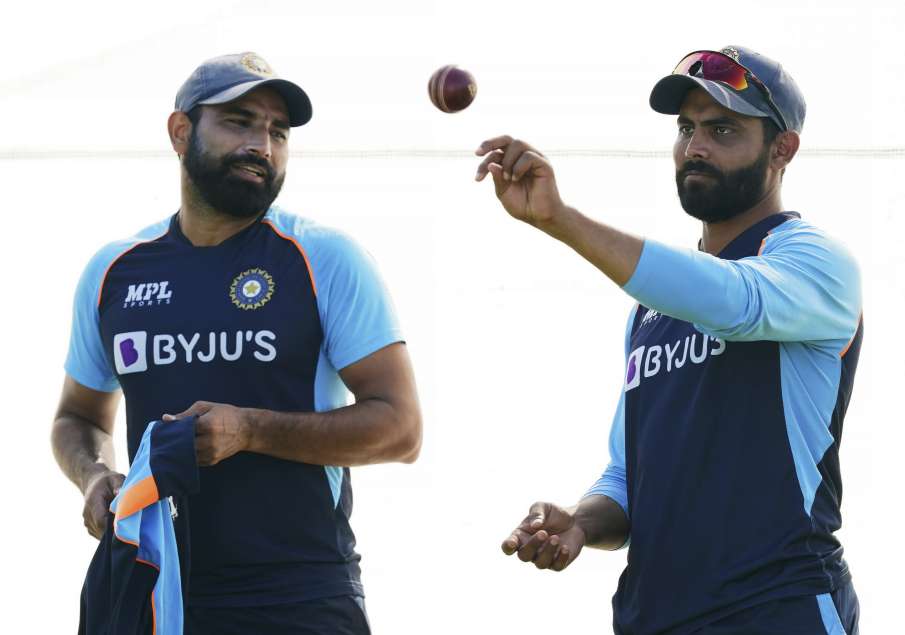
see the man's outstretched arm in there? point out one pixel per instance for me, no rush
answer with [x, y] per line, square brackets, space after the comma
[801, 287]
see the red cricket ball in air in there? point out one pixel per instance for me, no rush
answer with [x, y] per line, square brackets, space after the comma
[451, 88]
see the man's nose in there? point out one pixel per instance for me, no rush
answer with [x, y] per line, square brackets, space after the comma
[697, 147]
[259, 143]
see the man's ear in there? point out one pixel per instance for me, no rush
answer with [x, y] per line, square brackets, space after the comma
[179, 126]
[785, 147]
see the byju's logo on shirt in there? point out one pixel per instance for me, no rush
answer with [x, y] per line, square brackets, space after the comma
[648, 361]
[131, 350]
[148, 294]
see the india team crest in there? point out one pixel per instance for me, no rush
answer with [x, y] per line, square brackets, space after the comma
[256, 64]
[251, 289]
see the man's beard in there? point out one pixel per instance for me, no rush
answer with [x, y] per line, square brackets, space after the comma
[731, 194]
[226, 192]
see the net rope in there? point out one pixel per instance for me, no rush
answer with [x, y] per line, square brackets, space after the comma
[15, 154]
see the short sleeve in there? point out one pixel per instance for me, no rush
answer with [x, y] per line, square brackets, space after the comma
[86, 361]
[355, 307]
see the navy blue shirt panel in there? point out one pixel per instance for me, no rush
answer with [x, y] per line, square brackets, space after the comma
[718, 518]
[265, 319]
[229, 361]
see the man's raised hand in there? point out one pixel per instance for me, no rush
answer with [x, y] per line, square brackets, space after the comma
[523, 178]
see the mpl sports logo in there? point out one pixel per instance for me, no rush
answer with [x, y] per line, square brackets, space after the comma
[148, 294]
[649, 361]
[136, 351]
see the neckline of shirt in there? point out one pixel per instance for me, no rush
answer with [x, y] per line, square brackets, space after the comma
[748, 242]
[176, 232]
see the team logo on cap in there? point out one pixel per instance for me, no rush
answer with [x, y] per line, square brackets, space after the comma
[256, 64]
[730, 52]
[251, 289]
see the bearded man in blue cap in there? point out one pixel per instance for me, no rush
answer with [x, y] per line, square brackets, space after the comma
[254, 321]
[724, 479]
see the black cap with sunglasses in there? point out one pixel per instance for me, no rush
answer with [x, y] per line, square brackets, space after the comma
[738, 78]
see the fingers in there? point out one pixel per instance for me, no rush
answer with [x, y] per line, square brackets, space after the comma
[492, 166]
[512, 154]
[546, 537]
[207, 450]
[197, 408]
[203, 452]
[525, 164]
[526, 529]
[537, 516]
[562, 558]
[204, 446]
[515, 541]
[547, 552]
[493, 158]
[506, 152]
[218, 434]
[203, 425]
[531, 549]
[91, 514]
[117, 481]
[97, 503]
[550, 551]
[494, 143]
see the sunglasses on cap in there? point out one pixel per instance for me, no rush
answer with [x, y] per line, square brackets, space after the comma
[718, 67]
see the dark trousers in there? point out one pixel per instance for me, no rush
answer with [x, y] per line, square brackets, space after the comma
[343, 615]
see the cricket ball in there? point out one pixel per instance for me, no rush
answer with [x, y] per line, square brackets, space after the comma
[451, 88]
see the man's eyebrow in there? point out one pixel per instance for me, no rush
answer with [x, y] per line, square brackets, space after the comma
[281, 123]
[238, 110]
[722, 121]
[716, 121]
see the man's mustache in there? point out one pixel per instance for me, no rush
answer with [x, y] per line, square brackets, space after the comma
[700, 167]
[251, 160]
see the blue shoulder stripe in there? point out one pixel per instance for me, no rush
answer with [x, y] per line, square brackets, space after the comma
[86, 361]
[612, 482]
[356, 313]
[802, 286]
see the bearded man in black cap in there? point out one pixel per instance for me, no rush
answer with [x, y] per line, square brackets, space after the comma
[724, 477]
[254, 321]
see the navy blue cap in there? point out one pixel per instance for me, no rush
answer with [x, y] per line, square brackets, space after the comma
[669, 93]
[228, 77]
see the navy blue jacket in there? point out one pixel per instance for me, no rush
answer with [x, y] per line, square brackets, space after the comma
[135, 580]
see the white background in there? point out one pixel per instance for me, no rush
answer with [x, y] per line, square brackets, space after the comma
[517, 342]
